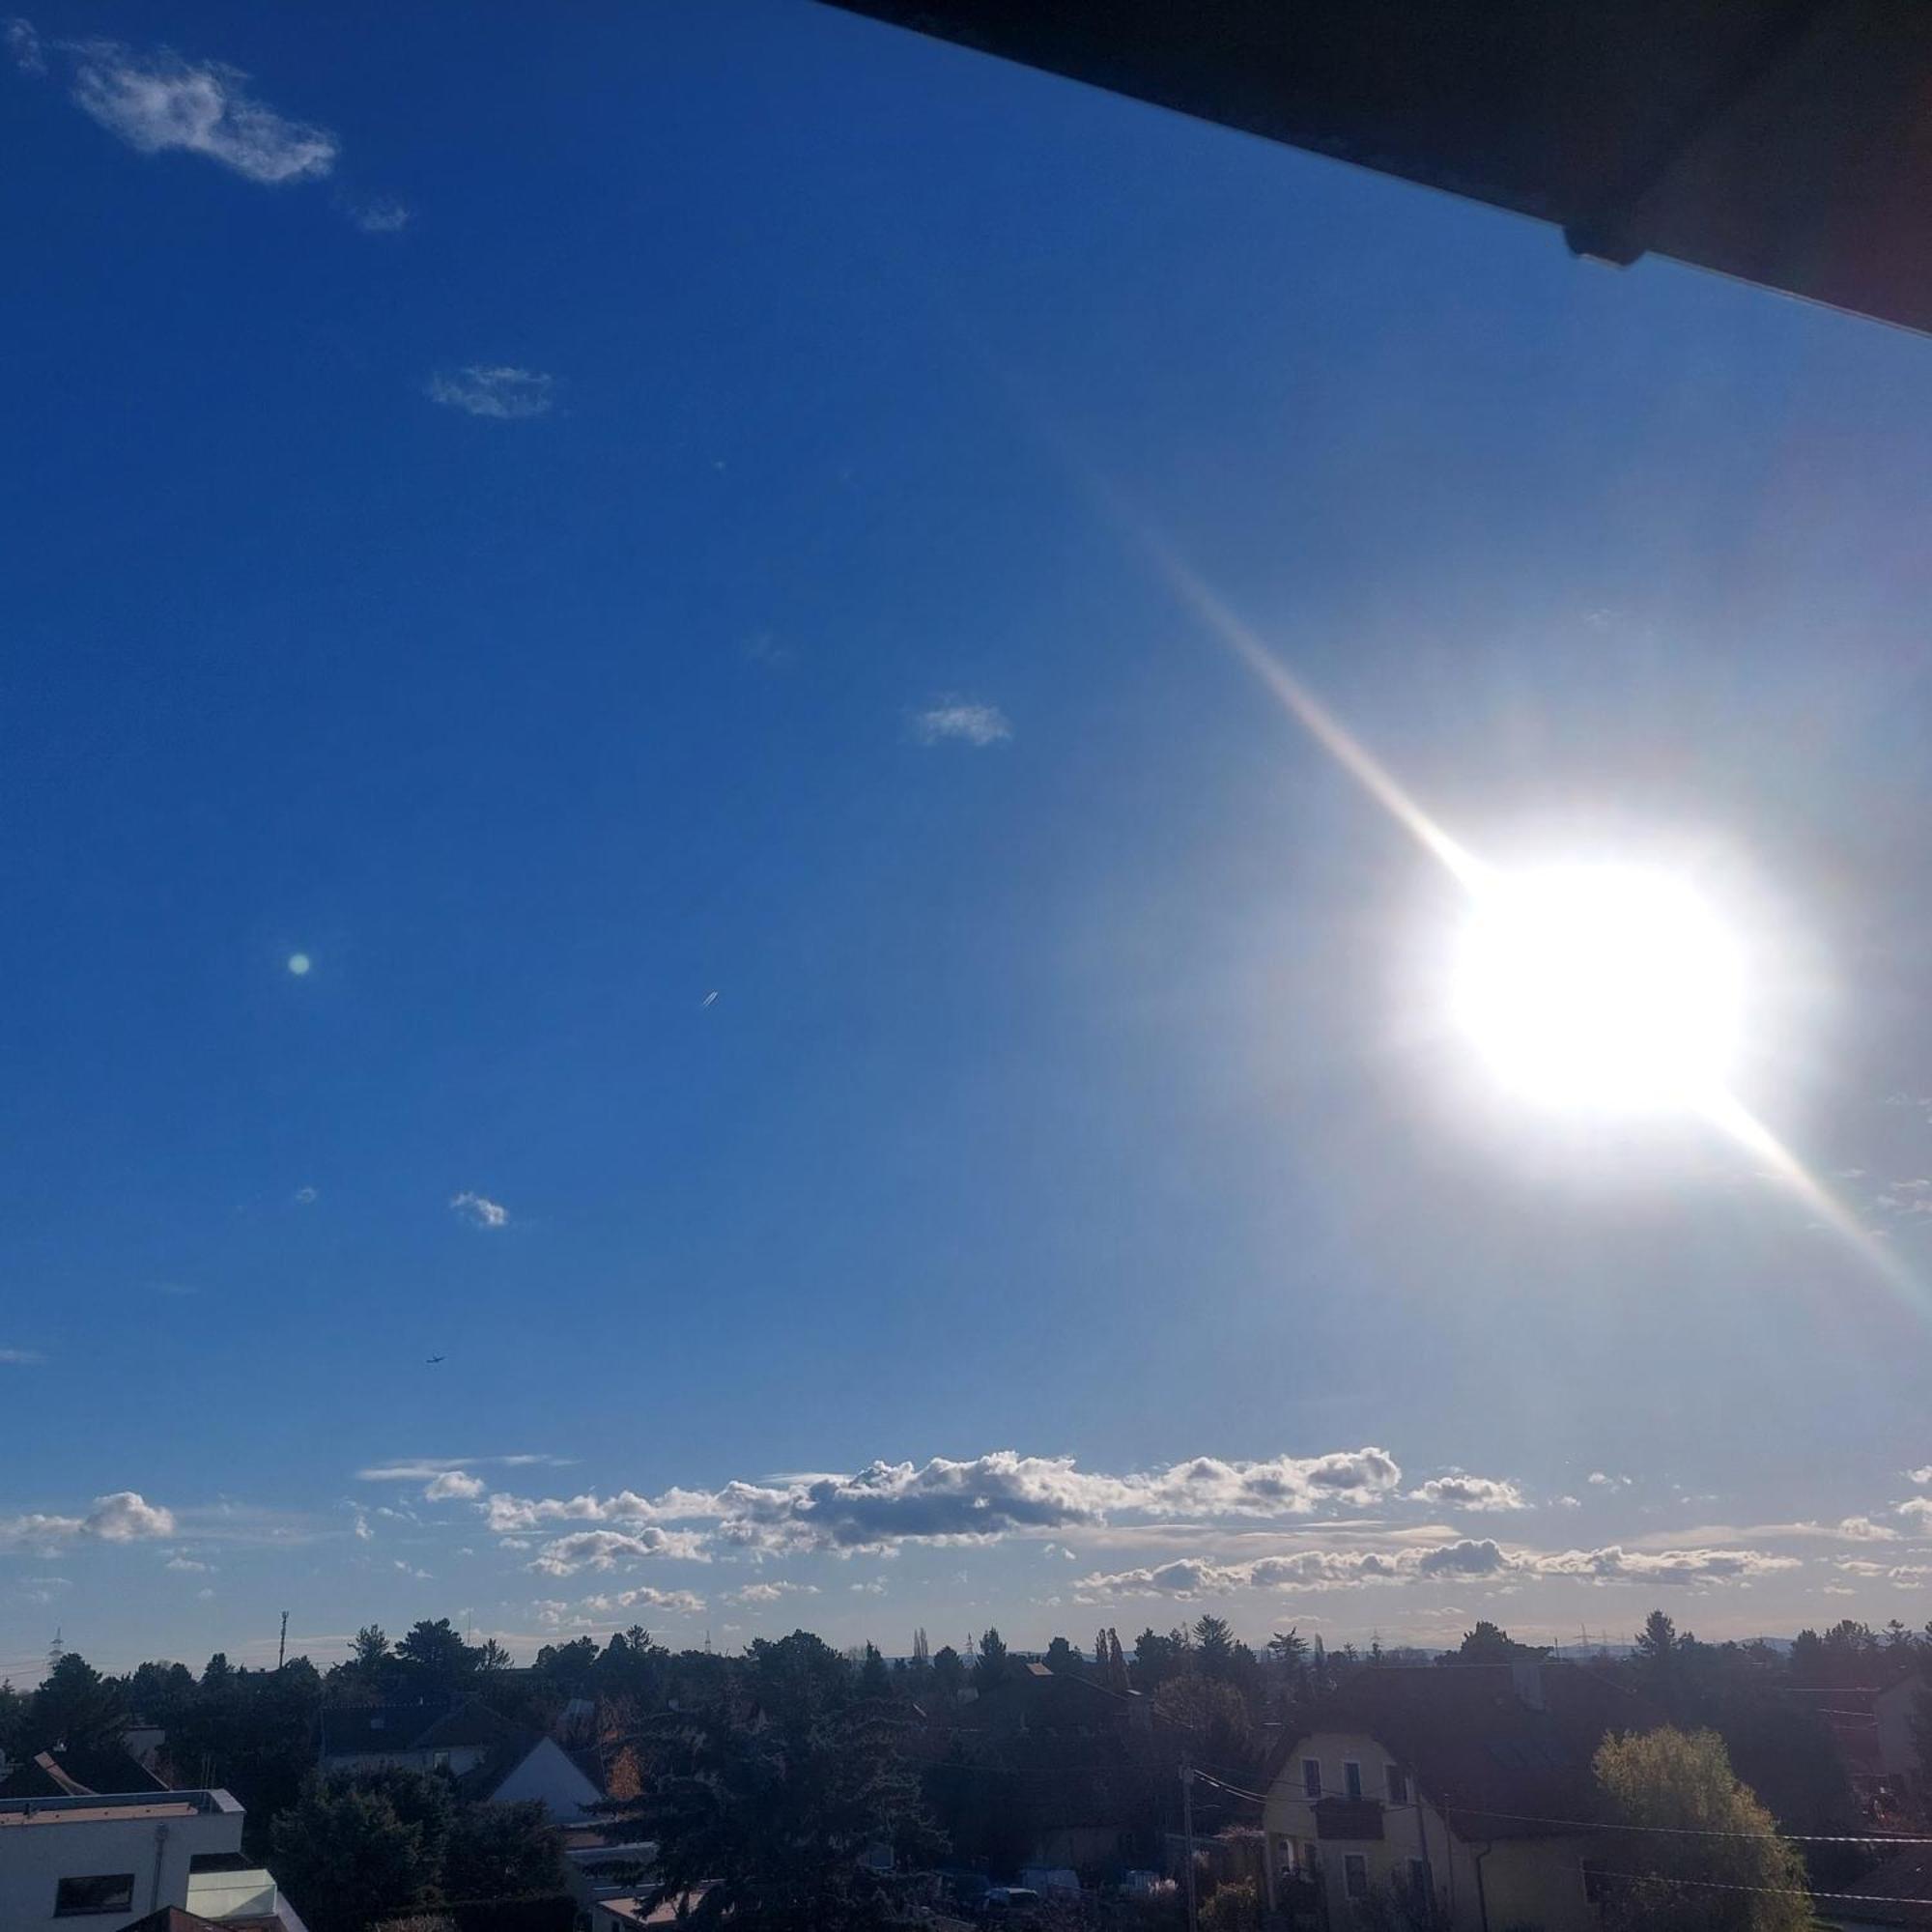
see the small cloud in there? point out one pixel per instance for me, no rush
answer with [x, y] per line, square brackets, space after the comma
[961, 721]
[500, 394]
[771, 1593]
[1459, 1490]
[1863, 1529]
[767, 648]
[482, 1213]
[410, 1569]
[157, 102]
[127, 1517]
[305, 1197]
[1922, 1475]
[21, 1358]
[1569, 1502]
[1599, 1480]
[183, 1563]
[24, 45]
[44, 1589]
[454, 1483]
[204, 1596]
[384, 216]
[363, 1533]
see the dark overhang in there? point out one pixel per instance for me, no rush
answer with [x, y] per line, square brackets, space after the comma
[1788, 142]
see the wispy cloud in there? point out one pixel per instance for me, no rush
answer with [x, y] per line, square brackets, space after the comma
[555, 1614]
[158, 102]
[771, 1593]
[383, 217]
[24, 43]
[1465, 1561]
[422, 1468]
[479, 1210]
[961, 721]
[21, 1358]
[184, 1563]
[501, 394]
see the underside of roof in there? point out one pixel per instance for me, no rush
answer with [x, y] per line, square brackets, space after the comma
[1788, 142]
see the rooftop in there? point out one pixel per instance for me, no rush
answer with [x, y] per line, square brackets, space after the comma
[94, 1809]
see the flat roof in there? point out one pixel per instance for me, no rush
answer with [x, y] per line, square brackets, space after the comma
[101, 1808]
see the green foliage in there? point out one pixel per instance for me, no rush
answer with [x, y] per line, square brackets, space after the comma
[1215, 1647]
[874, 1679]
[1232, 1908]
[76, 1706]
[948, 1672]
[989, 1667]
[1668, 1783]
[502, 1851]
[345, 1857]
[774, 1794]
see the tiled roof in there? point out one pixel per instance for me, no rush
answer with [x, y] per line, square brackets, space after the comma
[1477, 1748]
[364, 1730]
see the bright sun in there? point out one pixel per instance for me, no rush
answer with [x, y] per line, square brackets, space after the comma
[1601, 987]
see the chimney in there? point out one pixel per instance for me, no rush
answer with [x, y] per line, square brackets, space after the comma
[1526, 1680]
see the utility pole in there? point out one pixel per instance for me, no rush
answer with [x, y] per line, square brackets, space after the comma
[282, 1648]
[1188, 1827]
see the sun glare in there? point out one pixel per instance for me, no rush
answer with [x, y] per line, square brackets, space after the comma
[1600, 987]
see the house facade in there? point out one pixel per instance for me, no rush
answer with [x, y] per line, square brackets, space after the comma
[113, 1859]
[1456, 1782]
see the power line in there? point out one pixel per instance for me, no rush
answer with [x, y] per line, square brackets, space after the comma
[1678, 1831]
[1781, 1890]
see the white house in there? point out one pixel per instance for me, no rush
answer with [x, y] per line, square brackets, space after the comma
[531, 1766]
[113, 1859]
[1456, 1780]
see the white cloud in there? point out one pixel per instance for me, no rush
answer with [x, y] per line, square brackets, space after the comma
[422, 1468]
[381, 216]
[1458, 1491]
[1863, 1529]
[1599, 1480]
[501, 394]
[1465, 1560]
[483, 1212]
[21, 1358]
[124, 1516]
[1920, 1476]
[961, 721]
[454, 1483]
[1919, 1510]
[157, 102]
[971, 1501]
[185, 1563]
[305, 1197]
[771, 1593]
[410, 1569]
[606, 1548]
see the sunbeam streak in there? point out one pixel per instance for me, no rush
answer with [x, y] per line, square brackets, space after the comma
[1481, 880]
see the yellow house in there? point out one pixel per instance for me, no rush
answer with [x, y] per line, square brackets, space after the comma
[1467, 1782]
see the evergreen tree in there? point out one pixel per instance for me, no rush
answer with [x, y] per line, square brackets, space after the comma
[991, 1667]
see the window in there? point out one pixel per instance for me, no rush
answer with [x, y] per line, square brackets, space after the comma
[1311, 1777]
[1395, 1782]
[103, 1891]
[1355, 1875]
[1352, 1778]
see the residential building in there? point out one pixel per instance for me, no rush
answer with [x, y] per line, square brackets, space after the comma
[453, 1737]
[118, 1859]
[567, 1784]
[1464, 1781]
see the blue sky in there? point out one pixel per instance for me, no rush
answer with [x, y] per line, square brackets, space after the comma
[552, 525]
